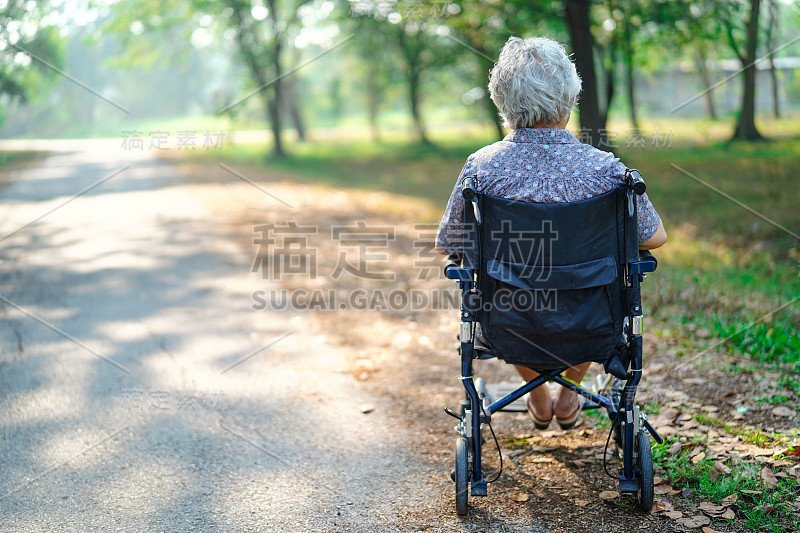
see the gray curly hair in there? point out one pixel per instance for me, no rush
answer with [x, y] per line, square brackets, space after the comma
[533, 83]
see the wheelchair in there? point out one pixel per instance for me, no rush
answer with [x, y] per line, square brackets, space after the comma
[549, 286]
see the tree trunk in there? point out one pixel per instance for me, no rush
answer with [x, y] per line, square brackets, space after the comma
[274, 118]
[496, 120]
[374, 97]
[275, 104]
[705, 76]
[579, 22]
[258, 70]
[610, 80]
[486, 66]
[296, 116]
[772, 27]
[290, 105]
[414, 97]
[627, 35]
[773, 76]
[746, 126]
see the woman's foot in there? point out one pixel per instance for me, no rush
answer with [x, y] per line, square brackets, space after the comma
[567, 408]
[539, 423]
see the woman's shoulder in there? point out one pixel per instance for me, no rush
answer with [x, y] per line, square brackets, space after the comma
[604, 164]
[493, 155]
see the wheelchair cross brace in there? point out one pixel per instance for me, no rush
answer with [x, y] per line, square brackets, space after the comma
[627, 413]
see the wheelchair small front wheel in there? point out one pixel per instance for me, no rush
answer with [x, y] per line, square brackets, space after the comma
[644, 462]
[460, 476]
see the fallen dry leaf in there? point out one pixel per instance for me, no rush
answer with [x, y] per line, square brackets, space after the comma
[520, 497]
[722, 468]
[685, 492]
[714, 475]
[746, 491]
[768, 478]
[784, 411]
[658, 507]
[609, 495]
[728, 514]
[695, 521]
[729, 500]
[673, 514]
[668, 412]
[662, 489]
[582, 503]
[751, 449]
[711, 508]
[699, 457]
[707, 529]
[767, 508]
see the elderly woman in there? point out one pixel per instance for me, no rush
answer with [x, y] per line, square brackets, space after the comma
[535, 86]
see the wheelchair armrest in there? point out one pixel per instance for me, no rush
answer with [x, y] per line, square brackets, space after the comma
[646, 263]
[453, 270]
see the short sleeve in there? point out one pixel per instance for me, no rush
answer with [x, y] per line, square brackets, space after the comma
[450, 237]
[647, 217]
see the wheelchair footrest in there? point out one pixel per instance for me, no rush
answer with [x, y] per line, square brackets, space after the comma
[495, 391]
[479, 488]
[628, 485]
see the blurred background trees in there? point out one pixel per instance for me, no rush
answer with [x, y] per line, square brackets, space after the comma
[299, 66]
[31, 52]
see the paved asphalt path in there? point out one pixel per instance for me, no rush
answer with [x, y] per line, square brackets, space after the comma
[140, 392]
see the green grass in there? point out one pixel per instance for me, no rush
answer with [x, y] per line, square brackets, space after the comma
[747, 434]
[680, 470]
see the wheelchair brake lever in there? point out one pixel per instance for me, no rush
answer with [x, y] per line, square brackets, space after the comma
[477, 211]
[658, 438]
[453, 414]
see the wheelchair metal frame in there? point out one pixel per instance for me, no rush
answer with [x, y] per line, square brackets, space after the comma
[477, 411]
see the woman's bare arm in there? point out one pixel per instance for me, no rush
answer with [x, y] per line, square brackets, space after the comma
[658, 239]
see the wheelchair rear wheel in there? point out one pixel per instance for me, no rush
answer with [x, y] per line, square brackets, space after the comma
[644, 460]
[460, 476]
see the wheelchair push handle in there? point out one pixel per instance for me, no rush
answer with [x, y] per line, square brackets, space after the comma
[453, 261]
[645, 255]
[635, 181]
[468, 188]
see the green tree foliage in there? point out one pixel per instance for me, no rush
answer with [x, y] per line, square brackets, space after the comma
[412, 35]
[30, 51]
[262, 31]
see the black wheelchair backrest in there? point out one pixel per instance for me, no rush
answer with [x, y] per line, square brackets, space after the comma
[551, 276]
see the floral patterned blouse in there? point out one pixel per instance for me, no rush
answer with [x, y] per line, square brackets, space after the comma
[539, 165]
